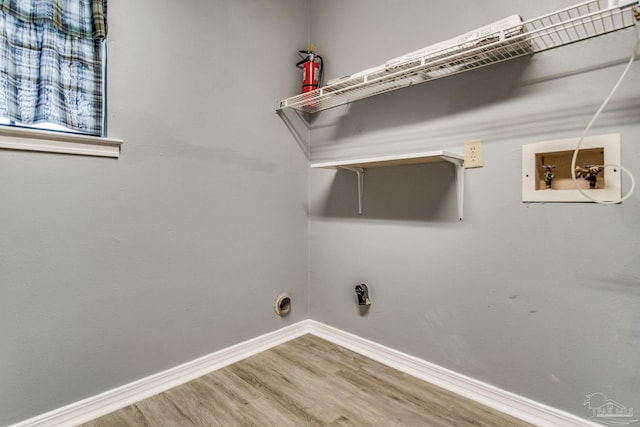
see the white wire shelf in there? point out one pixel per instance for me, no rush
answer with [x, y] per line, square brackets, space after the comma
[580, 22]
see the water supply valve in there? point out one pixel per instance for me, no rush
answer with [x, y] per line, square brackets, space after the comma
[589, 173]
[548, 174]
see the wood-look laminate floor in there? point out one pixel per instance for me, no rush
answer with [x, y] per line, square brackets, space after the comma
[306, 382]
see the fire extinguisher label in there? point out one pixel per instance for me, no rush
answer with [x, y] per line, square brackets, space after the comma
[311, 72]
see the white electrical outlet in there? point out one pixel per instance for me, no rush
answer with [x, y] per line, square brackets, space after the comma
[473, 154]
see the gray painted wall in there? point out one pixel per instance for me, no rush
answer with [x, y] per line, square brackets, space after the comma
[112, 270]
[538, 299]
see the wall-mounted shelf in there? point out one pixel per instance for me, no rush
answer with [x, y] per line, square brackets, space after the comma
[580, 22]
[359, 166]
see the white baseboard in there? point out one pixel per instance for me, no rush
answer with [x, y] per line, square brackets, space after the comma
[486, 394]
[112, 400]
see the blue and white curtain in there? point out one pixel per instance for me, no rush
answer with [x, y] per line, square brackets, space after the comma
[51, 62]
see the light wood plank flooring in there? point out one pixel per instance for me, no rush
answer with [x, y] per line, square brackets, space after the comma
[306, 382]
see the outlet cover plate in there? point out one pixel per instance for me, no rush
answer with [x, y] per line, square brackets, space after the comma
[473, 154]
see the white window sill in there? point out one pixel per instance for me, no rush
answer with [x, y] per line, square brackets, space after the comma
[56, 142]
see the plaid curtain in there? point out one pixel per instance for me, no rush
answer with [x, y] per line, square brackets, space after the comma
[51, 62]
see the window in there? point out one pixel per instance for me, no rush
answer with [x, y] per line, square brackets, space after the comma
[52, 66]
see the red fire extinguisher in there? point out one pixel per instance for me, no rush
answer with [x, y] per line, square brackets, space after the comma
[311, 65]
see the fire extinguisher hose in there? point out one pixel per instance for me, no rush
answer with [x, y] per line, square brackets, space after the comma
[321, 70]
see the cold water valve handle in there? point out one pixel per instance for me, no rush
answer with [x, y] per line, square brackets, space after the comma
[548, 174]
[363, 294]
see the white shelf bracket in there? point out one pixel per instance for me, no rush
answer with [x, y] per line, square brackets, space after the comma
[360, 173]
[458, 163]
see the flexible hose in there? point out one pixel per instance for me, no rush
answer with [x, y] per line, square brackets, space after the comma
[586, 130]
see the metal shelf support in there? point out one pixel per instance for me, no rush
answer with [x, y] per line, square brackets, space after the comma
[360, 173]
[459, 165]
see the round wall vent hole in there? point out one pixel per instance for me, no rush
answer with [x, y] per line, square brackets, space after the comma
[283, 304]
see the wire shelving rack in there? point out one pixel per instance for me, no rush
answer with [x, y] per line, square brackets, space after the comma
[573, 24]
